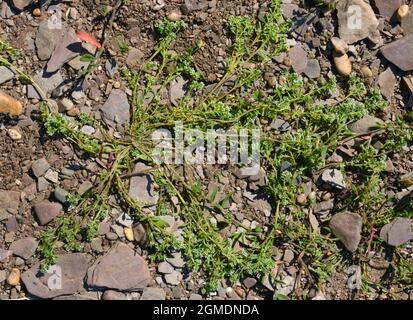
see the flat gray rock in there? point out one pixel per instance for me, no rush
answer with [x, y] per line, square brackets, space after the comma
[141, 187]
[298, 58]
[4, 254]
[40, 167]
[116, 108]
[121, 269]
[9, 199]
[47, 83]
[356, 20]
[407, 24]
[313, 69]
[399, 53]
[388, 8]
[365, 125]
[333, 178]
[397, 232]
[153, 294]
[22, 4]
[387, 83]
[68, 48]
[347, 227]
[24, 248]
[64, 278]
[47, 38]
[5, 74]
[177, 90]
[46, 211]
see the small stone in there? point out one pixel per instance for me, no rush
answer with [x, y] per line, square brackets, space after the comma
[298, 58]
[61, 195]
[113, 295]
[195, 296]
[339, 45]
[301, 199]
[176, 260]
[125, 220]
[4, 254]
[25, 247]
[116, 108]
[165, 268]
[73, 112]
[399, 52]
[37, 12]
[67, 104]
[14, 134]
[68, 48]
[153, 294]
[5, 74]
[387, 8]
[39, 167]
[128, 234]
[402, 12]
[84, 187]
[343, 64]
[139, 233]
[333, 178]
[249, 282]
[52, 176]
[387, 83]
[397, 232]
[313, 69]
[366, 71]
[173, 278]
[14, 277]
[365, 125]
[88, 130]
[3, 276]
[174, 16]
[288, 256]
[347, 227]
[46, 211]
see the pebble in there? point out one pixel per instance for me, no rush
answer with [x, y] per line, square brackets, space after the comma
[165, 268]
[73, 112]
[84, 187]
[347, 227]
[14, 134]
[39, 167]
[46, 211]
[301, 199]
[173, 278]
[61, 195]
[14, 277]
[366, 71]
[128, 234]
[174, 16]
[402, 12]
[343, 64]
[339, 45]
[37, 12]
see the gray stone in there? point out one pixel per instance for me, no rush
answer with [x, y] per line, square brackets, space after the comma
[173, 278]
[194, 5]
[365, 125]
[176, 90]
[4, 254]
[117, 108]
[61, 195]
[399, 52]
[68, 48]
[298, 58]
[195, 296]
[42, 184]
[176, 260]
[47, 83]
[153, 294]
[333, 178]
[347, 227]
[125, 220]
[324, 206]
[5, 74]
[39, 167]
[397, 232]
[111, 67]
[84, 187]
[48, 36]
[52, 176]
[8, 200]
[121, 269]
[3, 275]
[387, 83]
[88, 130]
[313, 69]
[388, 8]
[135, 58]
[139, 233]
[141, 187]
[12, 224]
[113, 295]
[249, 282]
[46, 211]
[64, 278]
[351, 32]
[25, 247]
[165, 268]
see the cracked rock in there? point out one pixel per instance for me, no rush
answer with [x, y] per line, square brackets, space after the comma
[397, 232]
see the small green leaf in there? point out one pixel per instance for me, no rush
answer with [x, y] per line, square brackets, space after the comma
[87, 58]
